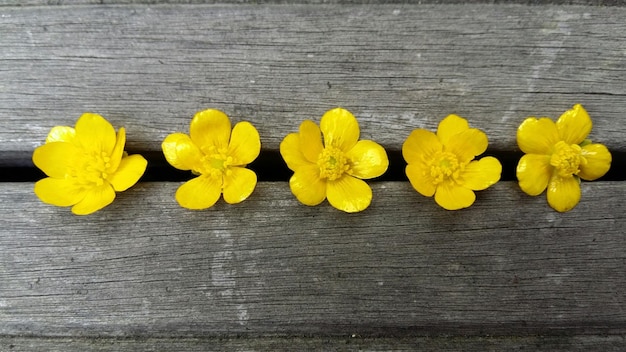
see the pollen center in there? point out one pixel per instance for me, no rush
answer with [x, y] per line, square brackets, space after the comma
[445, 166]
[92, 169]
[567, 159]
[216, 161]
[332, 163]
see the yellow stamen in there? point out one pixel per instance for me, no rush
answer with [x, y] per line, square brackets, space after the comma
[92, 168]
[216, 162]
[332, 163]
[445, 166]
[567, 159]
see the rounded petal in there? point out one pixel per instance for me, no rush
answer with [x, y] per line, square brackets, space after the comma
[574, 125]
[340, 129]
[420, 145]
[533, 173]
[61, 134]
[94, 133]
[95, 199]
[598, 162]
[307, 185]
[130, 170]
[55, 158]
[467, 144]
[210, 128]
[419, 176]
[59, 192]
[245, 143]
[310, 140]
[349, 194]
[199, 193]
[118, 150]
[181, 152]
[368, 159]
[537, 136]
[451, 196]
[291, 153]
[480, 174]
[239, 183]
[563, 192]
[451, 126]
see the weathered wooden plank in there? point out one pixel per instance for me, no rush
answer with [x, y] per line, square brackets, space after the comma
[404, 267]
[397, 67]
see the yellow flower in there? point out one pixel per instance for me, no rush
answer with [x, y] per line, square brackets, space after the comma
[333, 169]
[558, 156]
[217, 156]
[85, 165]
[443, 164]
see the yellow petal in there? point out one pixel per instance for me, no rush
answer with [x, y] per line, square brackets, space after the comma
[340, 129]
[95, 134]
[245, 144]
[598, 162]
[239, 183]
[310, 140]
[130, 170]
[199, 193]
[59, 192]
[467, 144]
[574, 125]
[95, 199]
[480, 174]
[210, 128]
[349, 194]
[118, 150]
[420, 145]
[451, 126]
[181, 152]
[419, 176]
[537, 136]
[451, 196]
[61, 134]
[368, 159]
[291, 153]
[533, 173]
[307, 185]
[563, 192]
[55, 158]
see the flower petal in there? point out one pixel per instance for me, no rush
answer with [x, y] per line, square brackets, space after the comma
[537, 136]
[451, 196]
[210, 128]
[291, 153]
[130, 170]
[95, 199]
[307, 185]
[533, 173]
[349, 194]
[467, 144]
[239, 183]
[598, 161]
[451, 126]
[118, 150]
[55, 158]
[419, 176]
[59, 192]
[340, 129]
[368, 159]
[95, 134]
[480, 174]
[574, 125]
[420, 145]
[563, 192]
[310, 140]
[61, 134]
[199, 193]
[181, 152]
[245, 143]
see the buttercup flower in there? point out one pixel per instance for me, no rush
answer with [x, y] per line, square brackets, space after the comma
[218, 156]
[443, 164]
[558, 156]
[334, 168]
[86, 165]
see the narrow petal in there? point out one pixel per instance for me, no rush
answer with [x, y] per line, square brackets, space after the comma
[451, 126]
[451, 196]
[130, 170]
[307, 185]
[480, 174]
[59, 192]
[210, 128]
[291, 153]
[533, 173]
[61, 134]
[199, 193]
[181, 152]
[118, 150]
[467, 144]
[245, 144]
[598, 162]
[239, 183]
[420, 145]
[55, 158]
[368, 159]
[563, 192]
[419, 176]
[349, 194]
[537, 136]
[574, 125]
[310, 140]
[95, 134]
[95, 199]
[340, 129]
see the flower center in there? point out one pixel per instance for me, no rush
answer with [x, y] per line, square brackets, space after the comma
[332, 163]
[567, 159]
[216, 162]
[445, 166]
[93, 169]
